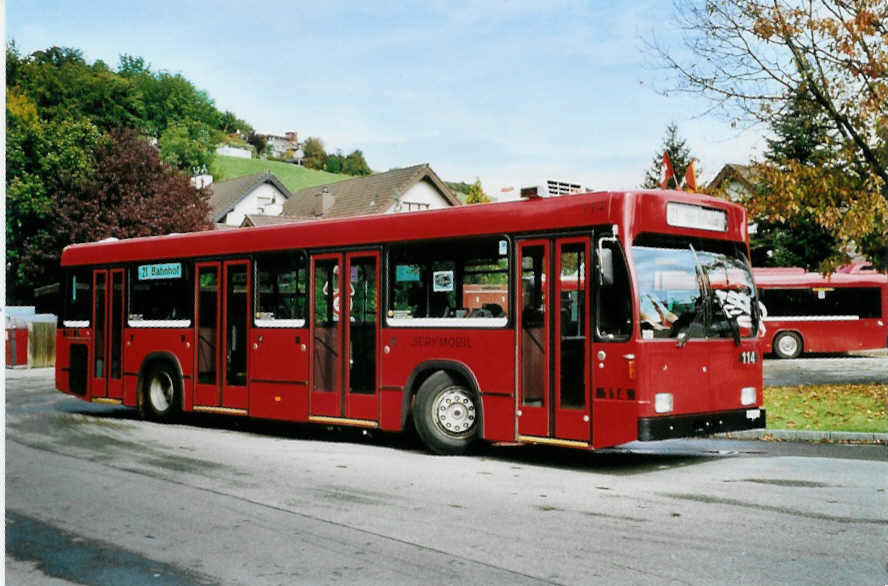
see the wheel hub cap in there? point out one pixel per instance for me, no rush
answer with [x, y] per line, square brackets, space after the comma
[454, 411]
[161, 392]
[788, 345]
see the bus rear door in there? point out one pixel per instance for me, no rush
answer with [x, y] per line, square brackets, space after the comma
[108, 316]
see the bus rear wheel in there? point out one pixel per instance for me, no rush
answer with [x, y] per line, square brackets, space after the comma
[446, 415]
[787, 345]
[163, 390]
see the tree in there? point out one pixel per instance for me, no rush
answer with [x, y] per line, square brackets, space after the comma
[334, 162]
[679, 154]
[459, 188]
[801, 134]
[189, 146]
[354, 164]
[795, 243]
[754, 57]
[258, 142]
[229, 124]
[42, 159]
[131, 193]
[476, 194]
[65, 149]
[63, 86]
[314, 156]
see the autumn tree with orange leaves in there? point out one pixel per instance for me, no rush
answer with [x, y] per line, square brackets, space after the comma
[756, 58]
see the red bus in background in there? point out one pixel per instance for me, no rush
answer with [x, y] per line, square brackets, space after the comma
[584, 320]
[809, 312]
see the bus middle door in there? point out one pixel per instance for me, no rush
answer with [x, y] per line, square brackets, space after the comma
[223, 292]
[553, 343]
[344, 338]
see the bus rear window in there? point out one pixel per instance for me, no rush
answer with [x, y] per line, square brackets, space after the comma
[78, 298]
[162, 295]
[457, 283]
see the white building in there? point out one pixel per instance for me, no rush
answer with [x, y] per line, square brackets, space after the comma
[260, 193]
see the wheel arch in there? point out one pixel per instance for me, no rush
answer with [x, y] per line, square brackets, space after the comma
[149, 361]
[426, 369]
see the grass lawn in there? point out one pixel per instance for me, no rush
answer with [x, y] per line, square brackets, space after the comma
[828, 407]
[293, 176]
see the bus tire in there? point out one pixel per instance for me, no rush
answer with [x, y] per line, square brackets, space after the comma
[446, 414]
[163, 392]
[787, 345]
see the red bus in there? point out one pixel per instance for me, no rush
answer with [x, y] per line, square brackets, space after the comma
[648, 331]
[809, 312]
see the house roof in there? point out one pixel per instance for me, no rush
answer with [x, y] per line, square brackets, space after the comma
[227, 194]
[370, 194]
[251, 220]
[745, 174]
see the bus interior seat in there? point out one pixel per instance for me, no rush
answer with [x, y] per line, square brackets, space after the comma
[495, 309]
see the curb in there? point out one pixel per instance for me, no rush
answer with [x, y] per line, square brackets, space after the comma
[800, 435]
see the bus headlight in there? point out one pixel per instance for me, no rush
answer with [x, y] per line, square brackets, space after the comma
[747, 395]
[663, 402]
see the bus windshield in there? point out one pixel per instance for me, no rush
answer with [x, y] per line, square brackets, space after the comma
[681, 286]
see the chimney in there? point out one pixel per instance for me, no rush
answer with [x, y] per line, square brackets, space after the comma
[323, 203]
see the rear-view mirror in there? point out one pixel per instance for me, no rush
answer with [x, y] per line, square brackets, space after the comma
[605, 265]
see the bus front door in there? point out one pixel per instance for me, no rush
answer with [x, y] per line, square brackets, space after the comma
[344, 337]
[222, 312]
[108, 316]
[553, 343]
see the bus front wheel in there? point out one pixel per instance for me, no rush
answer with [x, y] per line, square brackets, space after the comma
[446, 414]
[787, 345]
[162, 392]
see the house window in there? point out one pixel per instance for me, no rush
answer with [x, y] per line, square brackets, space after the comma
[413, 206]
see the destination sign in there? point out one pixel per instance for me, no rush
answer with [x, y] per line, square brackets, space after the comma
[170, 270]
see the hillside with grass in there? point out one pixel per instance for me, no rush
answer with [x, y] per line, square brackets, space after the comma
[293, 176]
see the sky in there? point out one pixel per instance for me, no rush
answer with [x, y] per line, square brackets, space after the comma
[510, 92]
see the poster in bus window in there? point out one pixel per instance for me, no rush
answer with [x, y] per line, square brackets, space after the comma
[443, 281]
[405, 273]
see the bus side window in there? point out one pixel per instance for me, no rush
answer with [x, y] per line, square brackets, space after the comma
[465, 281]
[614, 295]
[280, 296]
[161, 292]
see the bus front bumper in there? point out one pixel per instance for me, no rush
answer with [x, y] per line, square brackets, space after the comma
[661, 428]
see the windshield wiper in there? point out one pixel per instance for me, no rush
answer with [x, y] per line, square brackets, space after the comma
[697, 327]
[735, 327]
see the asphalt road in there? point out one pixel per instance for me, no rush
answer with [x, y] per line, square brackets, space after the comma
[855, 368]
[96, 496]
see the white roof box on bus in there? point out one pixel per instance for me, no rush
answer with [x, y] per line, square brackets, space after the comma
[551, 188]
